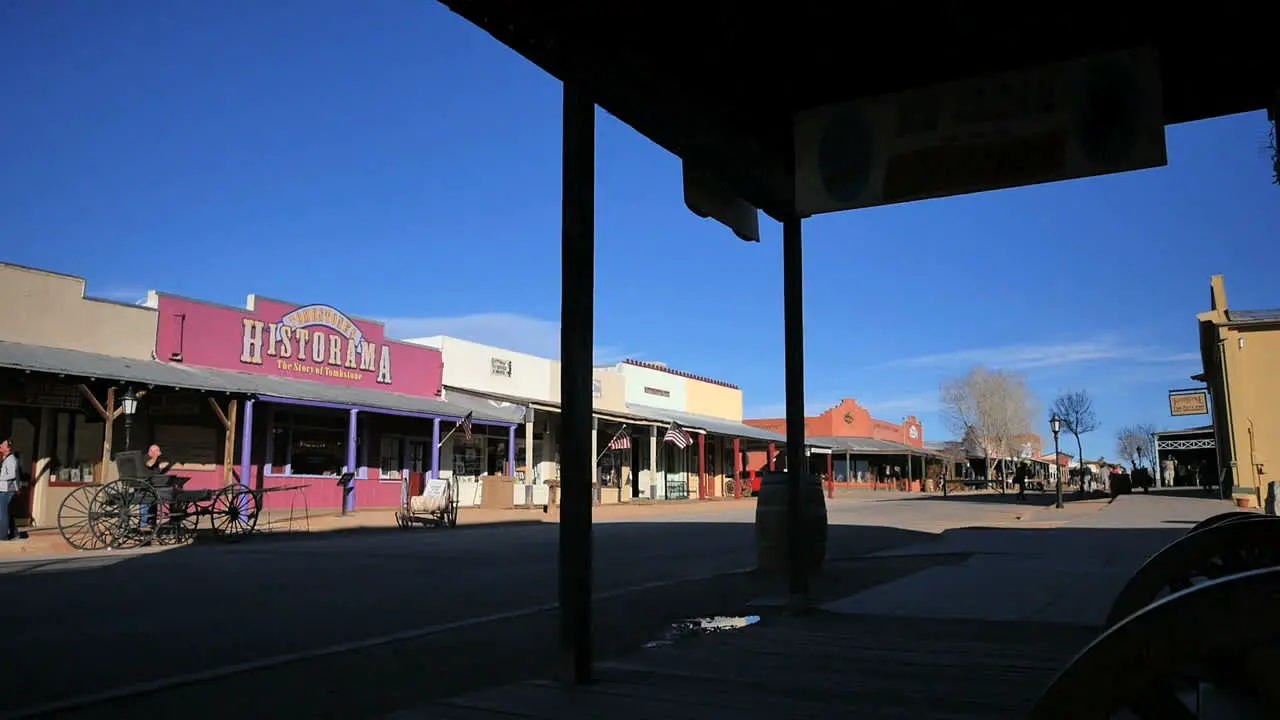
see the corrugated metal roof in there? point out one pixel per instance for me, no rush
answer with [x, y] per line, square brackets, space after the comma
[709, 424]
[1253, 316]
[866, 446]
[153, 372]
[77, 363]
[509, 409]
[1187, 431]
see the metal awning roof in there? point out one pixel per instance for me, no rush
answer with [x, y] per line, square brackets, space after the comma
[867, 446]
[80, 364]
[1202, 430]
[510, 409]
[718, 426]
[718, 84]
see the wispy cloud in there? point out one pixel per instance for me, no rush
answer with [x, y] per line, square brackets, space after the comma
[1037, 356]
[779, 409]
[887, 408]
[912, 404]
[129, 295]
[512, 331]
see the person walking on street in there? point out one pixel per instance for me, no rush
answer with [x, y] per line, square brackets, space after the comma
[10, 484]
[1020, 479]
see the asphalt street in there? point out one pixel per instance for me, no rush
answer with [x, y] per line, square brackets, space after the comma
[473, 607]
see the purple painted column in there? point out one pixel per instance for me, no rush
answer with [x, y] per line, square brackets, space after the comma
[350, 503]
[511, 451]
[246, 445]
[435, 449]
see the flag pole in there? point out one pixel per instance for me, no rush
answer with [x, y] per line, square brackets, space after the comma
[451, 432]
[445, 439]
[606, 447]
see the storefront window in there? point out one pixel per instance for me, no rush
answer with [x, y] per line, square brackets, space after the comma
[318, 451]
[308, 444]
[390, 458]
[77, 445]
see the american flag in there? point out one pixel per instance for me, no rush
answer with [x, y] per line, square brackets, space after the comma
[621, 440]
[677, 436]
[466, 426]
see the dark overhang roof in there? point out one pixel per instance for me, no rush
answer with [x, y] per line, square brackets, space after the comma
[153, 373]
[717, 83]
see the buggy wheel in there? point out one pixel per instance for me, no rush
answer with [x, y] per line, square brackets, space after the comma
[1221, 518]
[126, 514]
[449, 518]
[76, 516]
[234, 513]
[177, 523]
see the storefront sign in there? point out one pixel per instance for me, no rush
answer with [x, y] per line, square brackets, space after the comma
[657, 391]
[1188, 402]
[500, 367]
[313, 343]
[597, 389]
[1085, 117]
[315, 340]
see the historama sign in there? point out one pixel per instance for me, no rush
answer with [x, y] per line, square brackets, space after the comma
[314, 342]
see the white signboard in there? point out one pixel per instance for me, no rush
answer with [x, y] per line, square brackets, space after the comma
[1085, 117]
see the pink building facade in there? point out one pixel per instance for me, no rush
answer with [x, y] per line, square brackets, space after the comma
[326, 394]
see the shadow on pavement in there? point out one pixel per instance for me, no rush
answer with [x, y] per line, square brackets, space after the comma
[471, 610]
[1034, 498]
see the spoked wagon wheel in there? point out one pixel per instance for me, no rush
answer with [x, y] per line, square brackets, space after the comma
[126, 514]
[449, 516]
[76, 517]
[404, 519]
[1228, 548]
[177, 523]
[1205, 652]
[234, 513]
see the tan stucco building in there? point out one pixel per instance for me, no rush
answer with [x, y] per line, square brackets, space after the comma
[61, 444]
[1240, 351]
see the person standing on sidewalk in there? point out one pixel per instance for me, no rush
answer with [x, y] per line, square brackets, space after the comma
[1020, 479]
[10, 484]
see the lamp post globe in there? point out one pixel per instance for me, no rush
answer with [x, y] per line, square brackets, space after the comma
[1055, 424]
[128, 406]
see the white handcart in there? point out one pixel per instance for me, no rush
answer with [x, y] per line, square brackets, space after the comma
[437, 505]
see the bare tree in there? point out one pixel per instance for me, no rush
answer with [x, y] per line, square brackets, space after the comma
[1137, 444]
[990, 410]
[1075, 410]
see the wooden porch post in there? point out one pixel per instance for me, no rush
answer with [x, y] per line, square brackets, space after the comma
[228, 420]
[831, 475]
[737, 468]
[702, 466]
[108, 416]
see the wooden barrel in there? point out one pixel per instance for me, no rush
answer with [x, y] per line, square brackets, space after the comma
[772, 550]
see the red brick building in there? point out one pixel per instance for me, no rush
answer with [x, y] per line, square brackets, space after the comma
[903, 440]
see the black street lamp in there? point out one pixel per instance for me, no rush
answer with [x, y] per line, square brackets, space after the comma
[128, 406]
[1055, 424]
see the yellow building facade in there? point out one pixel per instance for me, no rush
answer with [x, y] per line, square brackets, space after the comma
[1240, 352]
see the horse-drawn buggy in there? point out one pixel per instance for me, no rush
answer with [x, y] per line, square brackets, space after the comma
[146, 507]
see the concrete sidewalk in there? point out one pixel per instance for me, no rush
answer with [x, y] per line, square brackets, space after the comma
[1028, 597]
[1069, 575]
[47, 542]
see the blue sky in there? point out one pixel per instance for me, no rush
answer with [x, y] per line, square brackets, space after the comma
[392, 160]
